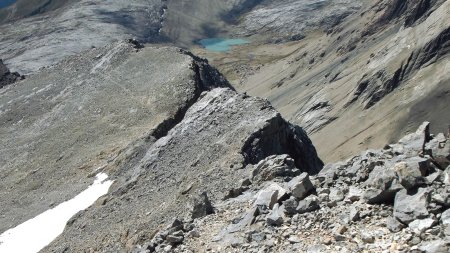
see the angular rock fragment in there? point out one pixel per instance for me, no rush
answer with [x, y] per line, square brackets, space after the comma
[408, 208]
[301, 186]
[270, 195]
[202, 206]
[309, 204]
[273, 167]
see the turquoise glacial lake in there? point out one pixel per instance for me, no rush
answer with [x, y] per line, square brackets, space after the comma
[6, 3]
[221, 44]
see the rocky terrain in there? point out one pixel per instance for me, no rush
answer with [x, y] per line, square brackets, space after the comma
[391, 200]
[355, 84]
[208, 162]
[61, 126]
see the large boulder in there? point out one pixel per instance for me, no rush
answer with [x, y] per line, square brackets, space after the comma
[301, 186]
[411, 172]
[381, 186]
[202, 206]
[408, 208]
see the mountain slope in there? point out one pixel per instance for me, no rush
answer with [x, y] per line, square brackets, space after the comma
[361, 84]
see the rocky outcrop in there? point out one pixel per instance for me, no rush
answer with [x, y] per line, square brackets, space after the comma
[204, 152]
[6, 77]
[330, 213]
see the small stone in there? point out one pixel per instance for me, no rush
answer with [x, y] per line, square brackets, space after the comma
[394, 225]
[341, 229]
[327, 241]
[367, 238]
[419, 226]
[309, 204]
[294, 239]
[354, 214]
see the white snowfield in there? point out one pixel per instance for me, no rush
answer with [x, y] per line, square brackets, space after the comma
[34, 234]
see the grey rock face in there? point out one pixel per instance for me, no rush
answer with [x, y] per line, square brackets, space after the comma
[411, 207]
[202, 206]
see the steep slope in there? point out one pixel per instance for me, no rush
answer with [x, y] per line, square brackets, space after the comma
[364, 82]
[206, 152]
[64, 124]
[395, 199]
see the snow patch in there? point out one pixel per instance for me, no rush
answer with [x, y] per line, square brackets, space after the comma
[36, 233]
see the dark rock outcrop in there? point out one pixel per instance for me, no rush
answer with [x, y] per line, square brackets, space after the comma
[7, 77]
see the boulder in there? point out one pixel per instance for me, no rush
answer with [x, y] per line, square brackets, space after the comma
[309, 204]
[408, 208]
[273, 167]
[336, 195]
[202, 206]
[394, 225]
[445, 218]
[411, 172]
[301, 186]
[275, 217]
[270, 195]
[419, 226]
[290, 206]
[381, 186]
[7, 77]
[436, 246]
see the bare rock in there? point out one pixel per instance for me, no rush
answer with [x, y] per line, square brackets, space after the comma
[301, 186]
[202, 206]
[408, 208]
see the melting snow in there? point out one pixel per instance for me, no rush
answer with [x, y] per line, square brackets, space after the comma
[34, 234]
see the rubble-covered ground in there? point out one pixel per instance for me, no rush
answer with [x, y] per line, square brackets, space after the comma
[395, 199]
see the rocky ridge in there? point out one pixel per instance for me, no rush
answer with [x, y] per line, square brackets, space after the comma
[396, 199]
[210, 149]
